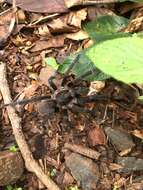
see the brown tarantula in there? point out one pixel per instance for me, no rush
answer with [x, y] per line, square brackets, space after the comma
[70, 95]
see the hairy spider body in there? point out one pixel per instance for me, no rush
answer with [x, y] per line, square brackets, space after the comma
[71, 94]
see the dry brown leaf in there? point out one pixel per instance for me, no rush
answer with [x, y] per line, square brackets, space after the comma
[96, 136]
[42, 6]
[71, 3]
[125, 152]
[45, 74]
[60, 25]
[5, 20]
[30, 90]
[68, 22]
[138, 133]
[80, 35]
[21, 16]
[44, 31]
[75, 18]
[128, 7]
[96, 86]
[54, 42]
[93, 12]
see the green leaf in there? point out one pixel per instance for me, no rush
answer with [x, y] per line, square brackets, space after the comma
[140, 98]
[74, 187]
[138, 1]
[84, 64]
[13, 148]
[9, 187]
[53, 172]
[105, 27]
[51, 61]
[121, 58]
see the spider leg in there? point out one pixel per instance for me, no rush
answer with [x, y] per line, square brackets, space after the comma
[26, 101]
[65, 118]
[92, 98]
[70, 68]
[84, 75]
[72, 65]
[51, 84]
[77, 109]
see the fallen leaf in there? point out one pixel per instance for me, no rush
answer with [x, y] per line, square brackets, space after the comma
[80, 35]
[44, 30]
[60, 25]
[54, 42]
[30, 90]
[94, 12]
[5, 20]
[68, 22]
[96, 86]
[42, 6]
[125, 152]
[138, 133]
[75, 18]
[45, 74]
[96, 136]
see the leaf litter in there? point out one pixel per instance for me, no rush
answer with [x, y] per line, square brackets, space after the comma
[55, 29]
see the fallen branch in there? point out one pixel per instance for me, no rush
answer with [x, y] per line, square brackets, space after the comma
[88, 152]
[30, 163]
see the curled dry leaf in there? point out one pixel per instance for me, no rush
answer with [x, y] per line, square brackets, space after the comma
[96, 136]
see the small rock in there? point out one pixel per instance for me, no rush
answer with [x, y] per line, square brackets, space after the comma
[120, 139]
[130, 164]
[11, 167]
[84, 170]
[96, 136]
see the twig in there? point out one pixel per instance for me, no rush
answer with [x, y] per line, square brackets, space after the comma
[30, 163]
[88, 152]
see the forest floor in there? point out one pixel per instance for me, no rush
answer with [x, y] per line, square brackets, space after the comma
[100, 149]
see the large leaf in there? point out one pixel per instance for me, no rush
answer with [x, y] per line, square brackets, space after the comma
[83, 65]
[105, 27]
[121, 58]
